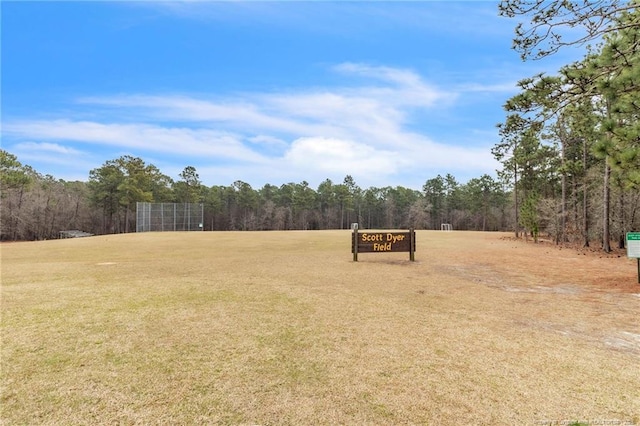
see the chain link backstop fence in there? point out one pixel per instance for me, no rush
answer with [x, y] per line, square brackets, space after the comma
[169, 217]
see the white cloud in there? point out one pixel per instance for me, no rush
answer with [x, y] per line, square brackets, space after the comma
[74, 162]
[361, 130]
[340, 156]
[406, 86]
[46, 148]
[268, 141]
[251, 112]
[304, 112]
[182, 141]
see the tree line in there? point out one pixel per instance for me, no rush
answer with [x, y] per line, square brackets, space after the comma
[39, 207]
[570, 144]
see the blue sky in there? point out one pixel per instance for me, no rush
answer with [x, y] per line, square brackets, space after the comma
[392, 93]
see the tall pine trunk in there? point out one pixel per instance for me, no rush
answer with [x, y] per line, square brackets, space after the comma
[606, 234]
[623, 226]
[585, 198]
[515, 193]
[562, 235]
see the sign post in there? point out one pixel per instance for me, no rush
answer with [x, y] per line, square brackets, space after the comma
[633, 248]
[354, 241]
[380, 242]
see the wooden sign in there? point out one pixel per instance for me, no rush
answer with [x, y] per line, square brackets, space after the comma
[381, 242]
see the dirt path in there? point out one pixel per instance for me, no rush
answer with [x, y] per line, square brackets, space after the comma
[581, 294]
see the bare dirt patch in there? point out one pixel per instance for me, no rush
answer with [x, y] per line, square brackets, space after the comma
[283, 328]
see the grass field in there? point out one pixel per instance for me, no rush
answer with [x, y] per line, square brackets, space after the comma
[271, 328]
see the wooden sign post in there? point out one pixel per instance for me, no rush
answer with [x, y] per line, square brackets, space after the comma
[381, 242]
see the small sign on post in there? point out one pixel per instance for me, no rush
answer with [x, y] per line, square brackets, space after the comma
[380, 242]
[633, 248]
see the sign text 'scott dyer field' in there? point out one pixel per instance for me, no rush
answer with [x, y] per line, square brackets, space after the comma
[380, 242]
[384, 241]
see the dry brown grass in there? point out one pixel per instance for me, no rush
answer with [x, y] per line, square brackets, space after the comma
[283, 328]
